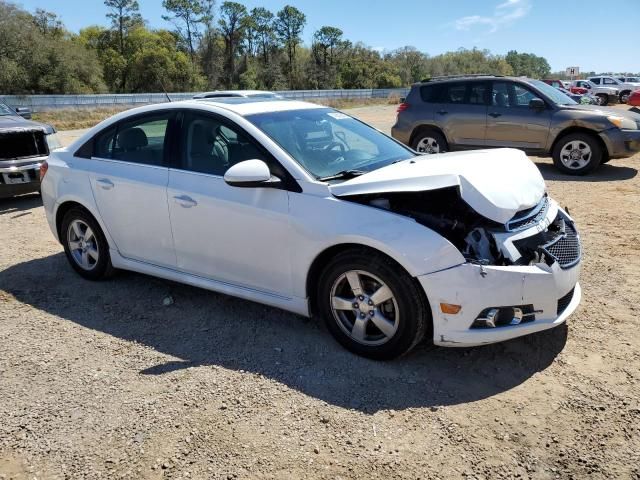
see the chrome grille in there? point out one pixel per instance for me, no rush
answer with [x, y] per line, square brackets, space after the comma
[527, 218]
[565, 249]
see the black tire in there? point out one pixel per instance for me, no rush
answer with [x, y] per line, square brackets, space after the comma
[604, 99]
[425, 133]
[559, 152]
[624, 96]
[101, 268]
[414, 316]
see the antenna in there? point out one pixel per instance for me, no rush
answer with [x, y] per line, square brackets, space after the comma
[164, 91]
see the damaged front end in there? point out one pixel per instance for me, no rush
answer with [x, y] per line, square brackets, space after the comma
[542, 234]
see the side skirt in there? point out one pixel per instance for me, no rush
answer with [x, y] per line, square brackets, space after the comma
[291, 304]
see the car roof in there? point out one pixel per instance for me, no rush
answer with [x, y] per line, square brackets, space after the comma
[234, 93]
[479, 77]
[249, 106]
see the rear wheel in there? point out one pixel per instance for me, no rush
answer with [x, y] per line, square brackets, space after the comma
[429, 141]
[603, 99]
[577, 154]
[624, 96]
[371, 305]
[85, 245]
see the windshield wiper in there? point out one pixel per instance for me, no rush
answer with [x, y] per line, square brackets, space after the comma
[343, 175]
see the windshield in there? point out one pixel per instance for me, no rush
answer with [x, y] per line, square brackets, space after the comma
[4, 110]
[633, 79]
[555, 95]
[326, 142]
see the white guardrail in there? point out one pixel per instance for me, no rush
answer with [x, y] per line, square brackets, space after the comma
[39, 103]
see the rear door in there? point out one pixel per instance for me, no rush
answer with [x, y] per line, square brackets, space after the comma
[511, 122]
[129, 177]
[461, 112]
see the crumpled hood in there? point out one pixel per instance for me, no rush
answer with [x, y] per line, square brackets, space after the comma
[496, 183]
[15, 123]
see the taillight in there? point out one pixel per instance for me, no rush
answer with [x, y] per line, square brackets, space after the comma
[402, 107]
[44, 166]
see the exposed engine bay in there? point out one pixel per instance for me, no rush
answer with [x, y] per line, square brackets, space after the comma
[530, 237]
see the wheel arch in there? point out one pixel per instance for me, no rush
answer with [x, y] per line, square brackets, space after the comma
[65, 206]
[584, 130]
[427, 127]
[318, 264]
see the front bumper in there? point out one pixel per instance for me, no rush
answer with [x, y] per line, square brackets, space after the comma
[19, 176]
[621, 143]
[477, 288]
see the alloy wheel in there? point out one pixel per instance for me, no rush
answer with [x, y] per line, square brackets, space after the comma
[364, 307]
[83, 245]
[575, 154]
[428, 145]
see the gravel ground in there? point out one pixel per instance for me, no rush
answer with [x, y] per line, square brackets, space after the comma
[103, 380]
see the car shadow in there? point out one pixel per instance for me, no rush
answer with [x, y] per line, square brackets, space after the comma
[20, 205]
[200, 329]
[605, 173]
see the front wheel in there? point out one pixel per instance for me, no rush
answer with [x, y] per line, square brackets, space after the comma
[624, 96]
[371, 305]
[577, 154]
[603, 100]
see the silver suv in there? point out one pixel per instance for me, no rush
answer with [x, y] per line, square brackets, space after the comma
[458, 113]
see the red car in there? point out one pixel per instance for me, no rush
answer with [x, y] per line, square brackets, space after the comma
[634, 99]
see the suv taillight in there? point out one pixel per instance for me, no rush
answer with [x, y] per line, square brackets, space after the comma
[402, 107]
[44, 166]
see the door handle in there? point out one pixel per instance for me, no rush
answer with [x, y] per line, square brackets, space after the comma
[105, 183]
[495, 114]
[185, 201]
[442, 112]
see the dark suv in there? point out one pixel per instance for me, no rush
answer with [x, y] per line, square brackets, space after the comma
[457, 113]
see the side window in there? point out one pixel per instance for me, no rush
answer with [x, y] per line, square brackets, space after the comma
[103, 144]
[141, 140]
[609, 81]
[500, 94]
[522, 96]
[477, 93]
[209, 146]
[595, 80]
[454, 93]
[431, 93]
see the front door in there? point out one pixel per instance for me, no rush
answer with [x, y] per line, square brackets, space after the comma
[235, 235]
[129, 179]
[510, 120]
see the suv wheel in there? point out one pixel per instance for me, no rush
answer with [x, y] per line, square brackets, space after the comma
[429, 141]
[603, 99]
[371, 305]
[624, 96]
[85, 245]
[577, 154]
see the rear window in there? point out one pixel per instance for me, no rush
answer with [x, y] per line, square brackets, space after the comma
[470, 93]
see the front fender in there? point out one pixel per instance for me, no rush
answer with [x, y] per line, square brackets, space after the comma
[418, 249]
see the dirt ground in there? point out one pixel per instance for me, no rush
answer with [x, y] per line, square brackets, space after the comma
[101, 380]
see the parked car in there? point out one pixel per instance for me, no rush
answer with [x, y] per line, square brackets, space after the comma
[493, 111]
[634, 99]
[305, 208]
[584, 99]
[566, 84]
[554, 83]
[24, 145]
[238, 93]
[624, 88]
[605, 95]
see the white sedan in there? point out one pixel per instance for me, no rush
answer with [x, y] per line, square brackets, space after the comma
[305, 208]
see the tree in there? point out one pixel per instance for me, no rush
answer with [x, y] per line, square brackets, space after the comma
[288, 27]
[187, 16]
[326, 41]
[124, 15]
[411, 64]
[48, 23]
[232, 18]
[263, 22]
[528, 64]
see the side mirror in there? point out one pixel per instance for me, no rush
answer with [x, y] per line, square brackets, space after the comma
[24, 112]
[537, 104]
[250, 173]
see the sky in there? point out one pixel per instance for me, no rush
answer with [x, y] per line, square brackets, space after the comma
[594, 35]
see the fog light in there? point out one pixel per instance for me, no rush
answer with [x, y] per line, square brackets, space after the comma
[488, 321]
[450, 308]
[503, 316]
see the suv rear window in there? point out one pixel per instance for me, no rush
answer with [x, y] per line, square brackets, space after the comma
[473, 93]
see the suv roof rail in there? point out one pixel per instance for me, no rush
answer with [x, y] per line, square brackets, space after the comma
[468, 75]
